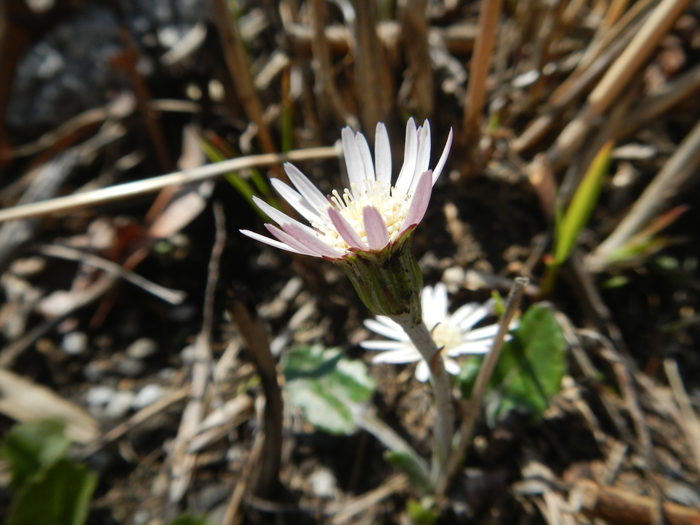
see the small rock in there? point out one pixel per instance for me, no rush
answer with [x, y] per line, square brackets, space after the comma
[120, 404]
[131, 367]
[142, 348]
[148, 395]
[96, 370]
[323, 483]
[75, 343]
[188, 355]
[99, 395]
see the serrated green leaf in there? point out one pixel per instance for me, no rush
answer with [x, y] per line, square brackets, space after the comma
[531, 366]
[30, 446]
[57, 495]
[326, 386]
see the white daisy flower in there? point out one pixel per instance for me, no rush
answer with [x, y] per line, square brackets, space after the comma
[453, 333]
[368, 216]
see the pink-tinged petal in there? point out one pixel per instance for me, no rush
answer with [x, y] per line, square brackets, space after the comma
[422, 372]
[382, 154]
[311, 242]
[443, 158]
[366, 156]
[353, 160]
[375, 227]
[403, 183]
[346, 231]
[423, 155]
[307, 188]
[289, 240]
[271, 242]
[282, 219]
[419, 202]
[299, 203]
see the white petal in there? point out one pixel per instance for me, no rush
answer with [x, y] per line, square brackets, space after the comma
[299, 203]
[423, 155]
[382, 154]
[271, 242]
[403, 183]
[383, 345]
[375, 228]
[345, 230]
[470, 347]
[398, 357]
[434, 304]
[483, 333]
[353, 161]
[422, 372]
[452, 367]
[307, 188]
[477, 315]
[443, 158]
[419, 202]
[366, 157]
[462, 313]
[382, 329]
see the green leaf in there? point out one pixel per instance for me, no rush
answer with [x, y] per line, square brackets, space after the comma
[58, 495]
[531, 366]
[326, 386]
[582, 205]
[30, 446]
[415, 471]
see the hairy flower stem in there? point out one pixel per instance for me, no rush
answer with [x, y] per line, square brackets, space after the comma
[439, 380]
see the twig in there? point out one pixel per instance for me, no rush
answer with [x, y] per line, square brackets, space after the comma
[90, 294]
[183, 461]
[73, 254]
[489, 11]
[130, 189]
[374, 85]
[370, 499]
[689, 422]
[239, 70]
[616, 78]
[665, 185]
[231, 517]
[322, 66]
[138, 418]
[253, 332]
[487, 367]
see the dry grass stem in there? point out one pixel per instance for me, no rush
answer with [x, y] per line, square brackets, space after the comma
[676, 171]
[689, 422]
[485, 371]
[131, 189]
[616, 78]
[489, 12]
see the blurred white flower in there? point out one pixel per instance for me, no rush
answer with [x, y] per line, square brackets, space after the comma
[368, 216]
[451, 332]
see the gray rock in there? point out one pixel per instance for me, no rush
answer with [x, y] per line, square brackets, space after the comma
[74, 343]
[130, 367]
[120, 404]
[148, 395]
[142, 348]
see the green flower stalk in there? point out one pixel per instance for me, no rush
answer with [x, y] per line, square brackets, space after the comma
[367, 230]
